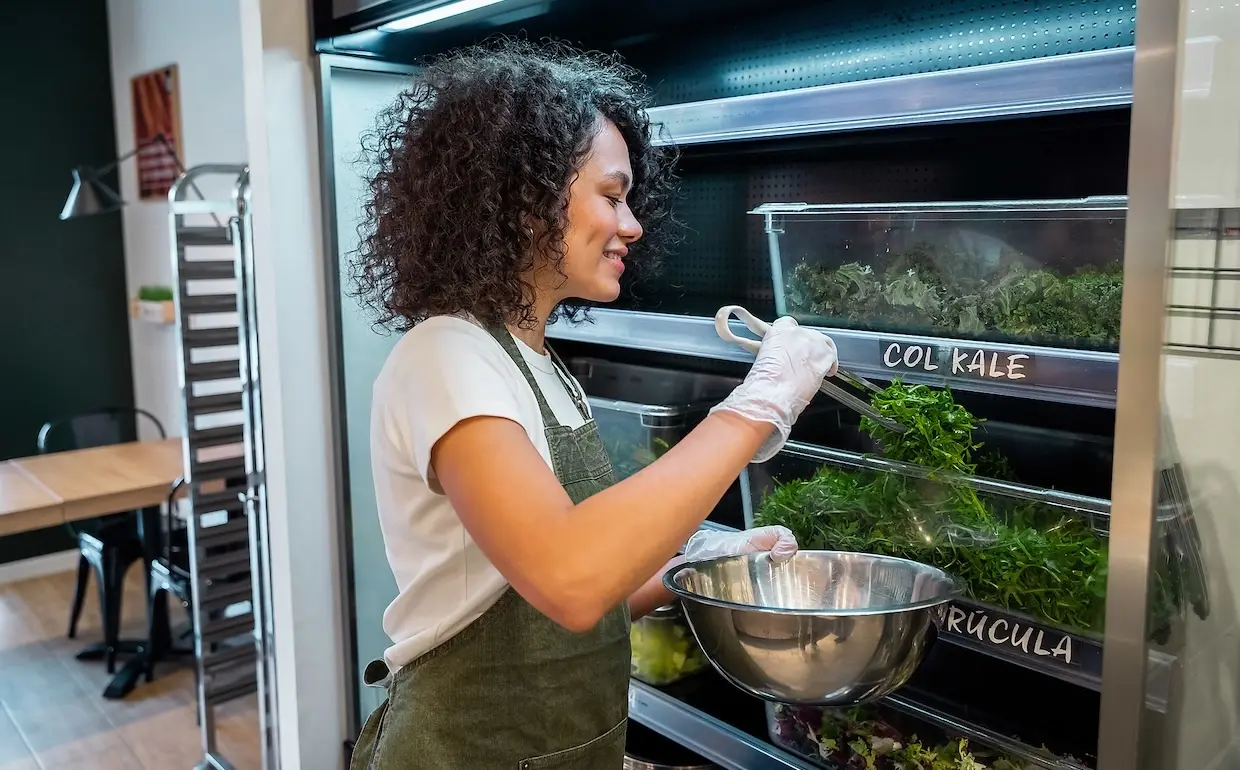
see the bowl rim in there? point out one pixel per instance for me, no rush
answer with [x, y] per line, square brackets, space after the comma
[669, 582]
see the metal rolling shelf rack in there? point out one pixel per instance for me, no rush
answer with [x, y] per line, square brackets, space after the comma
[223, 455]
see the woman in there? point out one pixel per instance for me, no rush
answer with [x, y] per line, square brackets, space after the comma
[511, 183]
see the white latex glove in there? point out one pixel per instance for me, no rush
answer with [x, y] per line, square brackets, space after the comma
[789, 367]
[708, 544]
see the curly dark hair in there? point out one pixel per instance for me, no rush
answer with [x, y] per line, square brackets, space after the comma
[483, 145]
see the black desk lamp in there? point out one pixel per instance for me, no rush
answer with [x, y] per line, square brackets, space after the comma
[90, 195]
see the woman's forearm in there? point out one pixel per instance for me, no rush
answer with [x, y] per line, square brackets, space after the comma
[624, 534]
[576, 562]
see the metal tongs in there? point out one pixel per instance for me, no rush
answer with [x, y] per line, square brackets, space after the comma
[760, 328]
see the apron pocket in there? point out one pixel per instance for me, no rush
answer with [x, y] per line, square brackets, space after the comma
[366, 749]
[605, 752]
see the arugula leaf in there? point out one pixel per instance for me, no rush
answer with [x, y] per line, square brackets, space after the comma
[940, 431]
[873, 737]
[1012, 553]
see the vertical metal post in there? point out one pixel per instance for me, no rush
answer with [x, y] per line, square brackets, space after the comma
[773, 231]
[256, 489]
[1139, 399]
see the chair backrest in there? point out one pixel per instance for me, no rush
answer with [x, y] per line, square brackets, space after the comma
[173, 548]
[101, 427]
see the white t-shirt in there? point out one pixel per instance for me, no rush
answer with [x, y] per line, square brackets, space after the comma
[444, 370]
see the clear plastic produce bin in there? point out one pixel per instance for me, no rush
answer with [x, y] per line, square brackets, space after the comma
[879, 737]
[1045, 272]
[1026, 550]
[643, 411]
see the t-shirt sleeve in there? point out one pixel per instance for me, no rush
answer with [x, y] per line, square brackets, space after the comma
[450, 371]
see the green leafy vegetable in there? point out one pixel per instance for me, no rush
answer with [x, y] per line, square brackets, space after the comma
[664, 651]
[1083, 306]
[628, 457]
[1017, 554]
[1034, 560]
[940, 431]
[875, 738]
[960, 293]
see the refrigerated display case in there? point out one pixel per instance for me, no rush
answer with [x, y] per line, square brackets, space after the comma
[1040, 272]
[1030, 244]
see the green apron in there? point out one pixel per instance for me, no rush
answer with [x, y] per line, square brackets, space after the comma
[513, 690]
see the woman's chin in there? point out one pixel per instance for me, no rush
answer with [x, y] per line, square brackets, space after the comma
[607, 291]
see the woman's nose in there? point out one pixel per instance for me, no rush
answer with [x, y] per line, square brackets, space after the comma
[629, 228]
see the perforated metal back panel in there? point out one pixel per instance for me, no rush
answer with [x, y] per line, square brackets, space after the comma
[852, 40]
[725, 257]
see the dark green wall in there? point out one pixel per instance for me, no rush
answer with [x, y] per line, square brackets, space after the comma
[63, 323]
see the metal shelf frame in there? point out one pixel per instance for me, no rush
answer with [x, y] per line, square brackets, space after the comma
[716, 740]
[230, 572]
[1044, 86]
[728, 747]
[1063, 375]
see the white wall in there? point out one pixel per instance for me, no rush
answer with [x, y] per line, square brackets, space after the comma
[204, 40]
[279, 72]
[248, 96]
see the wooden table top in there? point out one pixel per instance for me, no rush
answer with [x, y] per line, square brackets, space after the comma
[86, 483]
[25, 504]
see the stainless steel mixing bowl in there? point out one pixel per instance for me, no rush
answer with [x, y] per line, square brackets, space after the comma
[825, 628]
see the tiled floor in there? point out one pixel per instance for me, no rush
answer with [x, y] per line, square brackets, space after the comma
[53, 715]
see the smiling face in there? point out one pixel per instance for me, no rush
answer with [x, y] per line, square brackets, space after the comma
[600, 224]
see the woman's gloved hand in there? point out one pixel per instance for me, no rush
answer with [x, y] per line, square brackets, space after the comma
[708, 544]
[790, 366]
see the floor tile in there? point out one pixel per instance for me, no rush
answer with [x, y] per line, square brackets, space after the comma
[52, 713]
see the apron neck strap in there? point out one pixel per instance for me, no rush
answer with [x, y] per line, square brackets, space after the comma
[509, 344]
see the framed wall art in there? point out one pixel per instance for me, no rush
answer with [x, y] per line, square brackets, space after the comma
[157, 114]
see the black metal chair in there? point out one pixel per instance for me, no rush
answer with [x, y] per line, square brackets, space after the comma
[170, 573]
[108, 545]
